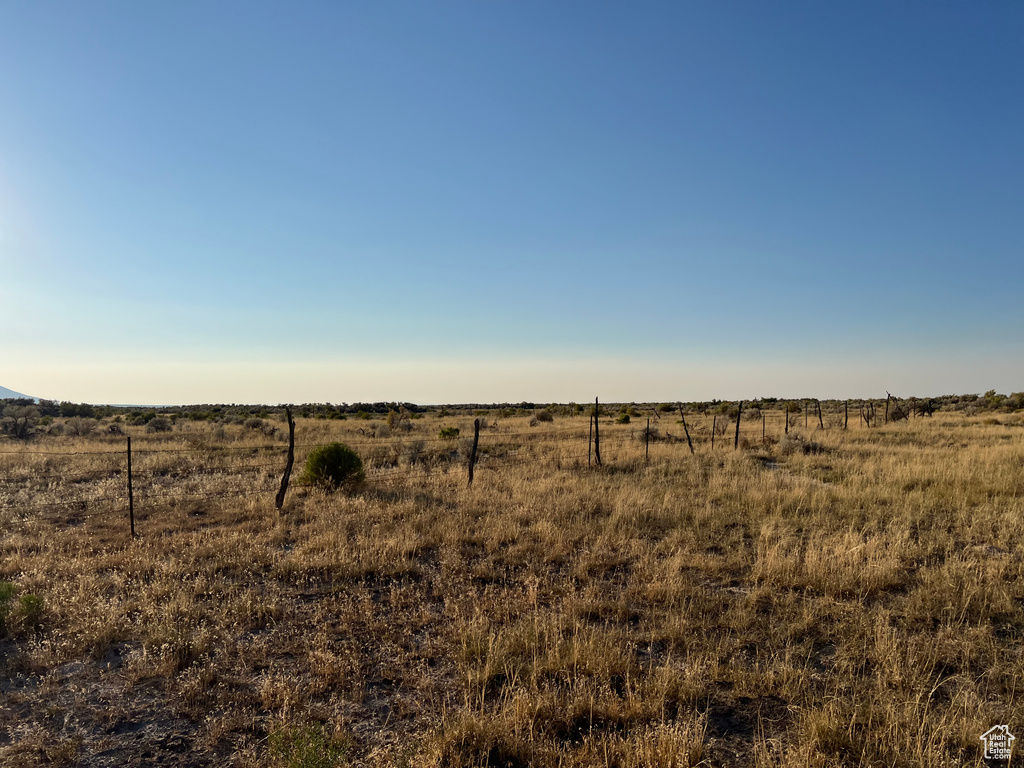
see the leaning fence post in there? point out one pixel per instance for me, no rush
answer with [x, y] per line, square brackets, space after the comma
[597, 433]
[689, 442]
[279, 503]
[739, 415]
[472, 453]
[897, 413]
[817, 403]
[131, 497]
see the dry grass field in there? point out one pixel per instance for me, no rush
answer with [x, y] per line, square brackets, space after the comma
[837, 598]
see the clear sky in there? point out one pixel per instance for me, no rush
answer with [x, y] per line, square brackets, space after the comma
[489, 201]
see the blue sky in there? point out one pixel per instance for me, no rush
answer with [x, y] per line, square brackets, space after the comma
[439, 202]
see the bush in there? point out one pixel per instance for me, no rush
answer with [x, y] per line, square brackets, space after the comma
[19, 420]
[413, 453]
[794, 444]
[623, 419]
[545, 416]
[449, 433]
[649, 433]
[259, 425]
[393, 419]
[25, 613]
[332, 466]
[466, 447]
[7, 592]
[84, 410]
[312, 746]
[30, 611]
[158, 424]
[79, 426]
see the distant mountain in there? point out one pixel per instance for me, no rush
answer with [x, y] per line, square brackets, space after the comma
[6, 393]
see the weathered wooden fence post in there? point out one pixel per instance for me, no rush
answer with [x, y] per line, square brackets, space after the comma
[689, 442]
[887, 398]
[762, 425]
[279, 501]
[131, 497]
[647, 440]
[597, 433]
[472, 453]
[846, 417]
[817, 403]
[590, 438]
[805, 414]
[714, 428]
[785, 412]
[739, 415]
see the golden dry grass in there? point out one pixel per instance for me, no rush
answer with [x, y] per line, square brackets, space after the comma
[858, 604]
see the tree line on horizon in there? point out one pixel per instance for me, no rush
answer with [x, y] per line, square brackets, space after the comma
[21, 416]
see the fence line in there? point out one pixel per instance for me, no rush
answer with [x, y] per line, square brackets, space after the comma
[497, 449]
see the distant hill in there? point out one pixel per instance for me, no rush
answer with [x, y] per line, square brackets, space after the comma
[6, 393]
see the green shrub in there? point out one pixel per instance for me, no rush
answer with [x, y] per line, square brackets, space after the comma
[332, 466]
[312, 746]
[6, 596]
[545, 416]
[30, 611]
[449, 433]
[623, 419]
[26, 613]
